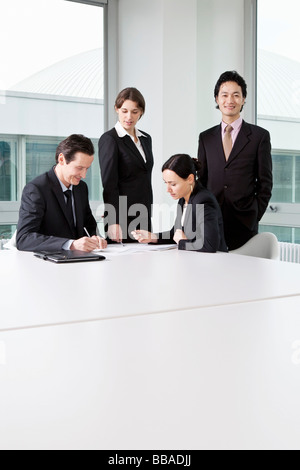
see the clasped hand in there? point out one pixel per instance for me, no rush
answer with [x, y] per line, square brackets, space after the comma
[142, 236]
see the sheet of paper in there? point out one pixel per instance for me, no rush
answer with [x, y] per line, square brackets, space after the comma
[133, 248]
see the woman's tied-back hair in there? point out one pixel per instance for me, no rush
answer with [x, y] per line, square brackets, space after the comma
[184, 166]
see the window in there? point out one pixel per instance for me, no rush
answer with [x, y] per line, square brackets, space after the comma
[8, 168]
[278, 109]
[51, 86]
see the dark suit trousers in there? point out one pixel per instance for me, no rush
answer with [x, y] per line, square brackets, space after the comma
[236, 233]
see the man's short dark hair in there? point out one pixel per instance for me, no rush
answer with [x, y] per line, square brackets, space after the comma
[73, 144]
[231, 76]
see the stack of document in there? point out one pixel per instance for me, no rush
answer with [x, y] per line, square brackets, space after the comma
[133, 248]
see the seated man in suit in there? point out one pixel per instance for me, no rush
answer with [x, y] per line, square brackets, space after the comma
[236, 163]
[55, 213]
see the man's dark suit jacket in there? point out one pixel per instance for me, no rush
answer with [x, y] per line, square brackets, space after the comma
[203, 224]
[43, 223]
[243, 184]
[125, 173]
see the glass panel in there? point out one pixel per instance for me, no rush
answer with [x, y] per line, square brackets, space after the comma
[55, 84]
[297, 179]
[8, 169]
[297, 235]
[278, 91]
[282, 178]
[284, 234]
[278, 68]
[40, 158]
[51, 86]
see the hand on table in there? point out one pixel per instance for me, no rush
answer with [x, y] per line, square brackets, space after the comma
[179, 235]
[115, 233]
[142, 236]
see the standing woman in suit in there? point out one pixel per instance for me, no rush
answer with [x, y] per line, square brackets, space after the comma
[126, 162]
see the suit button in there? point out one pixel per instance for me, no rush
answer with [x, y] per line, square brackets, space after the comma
[225, 187]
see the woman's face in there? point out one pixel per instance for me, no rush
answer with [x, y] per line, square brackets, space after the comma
[129, 114]
[177, 187]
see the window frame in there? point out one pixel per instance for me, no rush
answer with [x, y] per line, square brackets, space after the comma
[278, 214]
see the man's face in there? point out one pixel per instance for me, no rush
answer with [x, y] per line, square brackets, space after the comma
[74, 172]
[230, 100]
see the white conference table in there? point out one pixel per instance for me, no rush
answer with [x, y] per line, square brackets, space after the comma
[166, 350]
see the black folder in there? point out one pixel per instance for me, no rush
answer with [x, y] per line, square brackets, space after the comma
[69, 256]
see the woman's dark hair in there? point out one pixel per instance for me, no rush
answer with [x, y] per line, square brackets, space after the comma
[131, 94]
[73, 144]
[231, 76]
[184, 166]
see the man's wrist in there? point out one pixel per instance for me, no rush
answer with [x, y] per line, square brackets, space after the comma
[68, 245]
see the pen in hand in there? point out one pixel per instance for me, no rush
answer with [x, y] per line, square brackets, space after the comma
[90, 236]
[86, 232]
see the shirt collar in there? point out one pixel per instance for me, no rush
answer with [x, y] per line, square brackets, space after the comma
[122, 133]
[236, 125]
[63, 187]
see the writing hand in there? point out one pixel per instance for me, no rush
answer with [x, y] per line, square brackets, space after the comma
[86, 244]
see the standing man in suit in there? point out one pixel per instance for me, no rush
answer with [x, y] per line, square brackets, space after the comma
[55, 210]
[236, 163]
[126, 162]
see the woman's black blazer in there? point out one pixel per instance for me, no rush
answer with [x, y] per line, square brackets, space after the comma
[203, 224]
[125, 173]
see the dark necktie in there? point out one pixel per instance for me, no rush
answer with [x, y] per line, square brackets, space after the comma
[227, 142]
[69, 207]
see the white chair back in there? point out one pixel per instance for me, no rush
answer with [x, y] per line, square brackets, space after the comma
[263, 245]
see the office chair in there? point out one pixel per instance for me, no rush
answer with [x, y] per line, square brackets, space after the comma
[263, 245]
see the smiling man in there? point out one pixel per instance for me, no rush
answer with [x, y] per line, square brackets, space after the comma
[55, 213]
[236, 163]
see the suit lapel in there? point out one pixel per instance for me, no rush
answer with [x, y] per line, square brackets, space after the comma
[188, 215]
[218, 143]
[57, 191]
[147, 149]
[130, 144]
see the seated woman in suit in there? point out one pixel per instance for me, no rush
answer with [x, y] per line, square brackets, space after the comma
[199, 223]
[126, 162]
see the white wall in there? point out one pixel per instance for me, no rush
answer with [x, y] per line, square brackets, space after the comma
[220, 48]
[174, 51]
